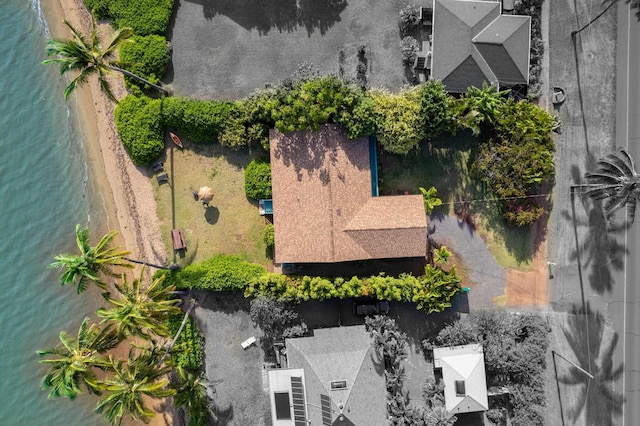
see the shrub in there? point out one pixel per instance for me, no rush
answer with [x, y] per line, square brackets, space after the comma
[524, 121]
[257, 179]
[496, 416]
[147, 57]
[511, 169]
[144, 16]
[398, 126]
[219, 273]
[310, 103]
[522, 212]
[357, 116]
[434, 108]
[268, 237]
[409, 19]
[190, 342]
[409, 47]
[140, 129]
[198, 121]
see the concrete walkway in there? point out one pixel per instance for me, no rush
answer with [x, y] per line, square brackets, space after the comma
[488, 279]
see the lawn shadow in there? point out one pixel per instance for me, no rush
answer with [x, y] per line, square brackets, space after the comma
[211, 214]
[593, 347]
[221, 417]
[283, 15]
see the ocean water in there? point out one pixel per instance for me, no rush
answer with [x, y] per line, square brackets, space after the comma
[45, 189]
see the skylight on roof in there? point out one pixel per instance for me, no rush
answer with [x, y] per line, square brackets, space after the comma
[339, 385]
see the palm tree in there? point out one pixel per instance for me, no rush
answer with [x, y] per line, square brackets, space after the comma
[191, 390]
[89, 58]
[75, 359]
[124, 390]
[616, 182]
[439, 416]
[140, 310]
[91, 262]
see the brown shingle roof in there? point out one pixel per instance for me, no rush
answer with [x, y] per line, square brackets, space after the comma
[324, 210]
[473, 43]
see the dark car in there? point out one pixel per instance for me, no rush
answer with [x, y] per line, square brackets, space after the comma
[370, 307]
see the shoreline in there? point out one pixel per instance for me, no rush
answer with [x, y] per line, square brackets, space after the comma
[128, 203]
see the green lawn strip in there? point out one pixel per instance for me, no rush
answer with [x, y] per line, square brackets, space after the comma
[231, 224]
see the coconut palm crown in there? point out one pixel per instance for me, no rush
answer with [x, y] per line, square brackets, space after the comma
[92, 261]
[139, 310]
[617, 182]
[88, 57]
[75, 358]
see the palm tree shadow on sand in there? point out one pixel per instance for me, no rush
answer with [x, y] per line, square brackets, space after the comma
[594, 399]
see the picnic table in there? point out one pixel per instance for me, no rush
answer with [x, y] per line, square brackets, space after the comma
[177, 238]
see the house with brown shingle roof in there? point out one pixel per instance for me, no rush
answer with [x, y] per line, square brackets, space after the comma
[474, 43]
[325, 203]
[334, 377]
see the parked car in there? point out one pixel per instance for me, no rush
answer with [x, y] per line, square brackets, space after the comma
[370, 307]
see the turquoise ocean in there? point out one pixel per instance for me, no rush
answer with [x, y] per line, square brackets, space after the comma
[45, 189]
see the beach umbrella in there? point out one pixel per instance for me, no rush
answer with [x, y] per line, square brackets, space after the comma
[205, 194]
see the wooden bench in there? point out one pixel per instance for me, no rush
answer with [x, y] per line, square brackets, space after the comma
[177, 238]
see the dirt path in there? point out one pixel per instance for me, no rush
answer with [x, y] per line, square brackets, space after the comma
[531, 288]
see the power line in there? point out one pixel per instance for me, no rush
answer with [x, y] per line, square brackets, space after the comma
[495, 199]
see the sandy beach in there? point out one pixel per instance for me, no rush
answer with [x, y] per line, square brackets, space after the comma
[127, 194]
[127, 190]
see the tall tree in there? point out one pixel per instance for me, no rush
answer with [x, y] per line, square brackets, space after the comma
[88, 57]
[617, 182]
[124, 390]
[140, 310]
[92, 261]
[75, 360]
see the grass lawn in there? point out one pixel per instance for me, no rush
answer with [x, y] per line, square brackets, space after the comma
[227, 49]
[236, 374]
[231, 225]
[445, 163]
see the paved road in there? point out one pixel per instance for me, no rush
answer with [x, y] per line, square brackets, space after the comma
[628, 136]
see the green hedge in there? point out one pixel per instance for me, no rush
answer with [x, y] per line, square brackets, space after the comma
[197, 121]
[257, 179]
[140, 128]
[431, 292]
[147, 57]
[220, 273]
[144, 16]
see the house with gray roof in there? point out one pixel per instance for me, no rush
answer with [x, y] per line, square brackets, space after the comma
[463, 374]
[334, 377]
[326, 206]
[474, 43]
